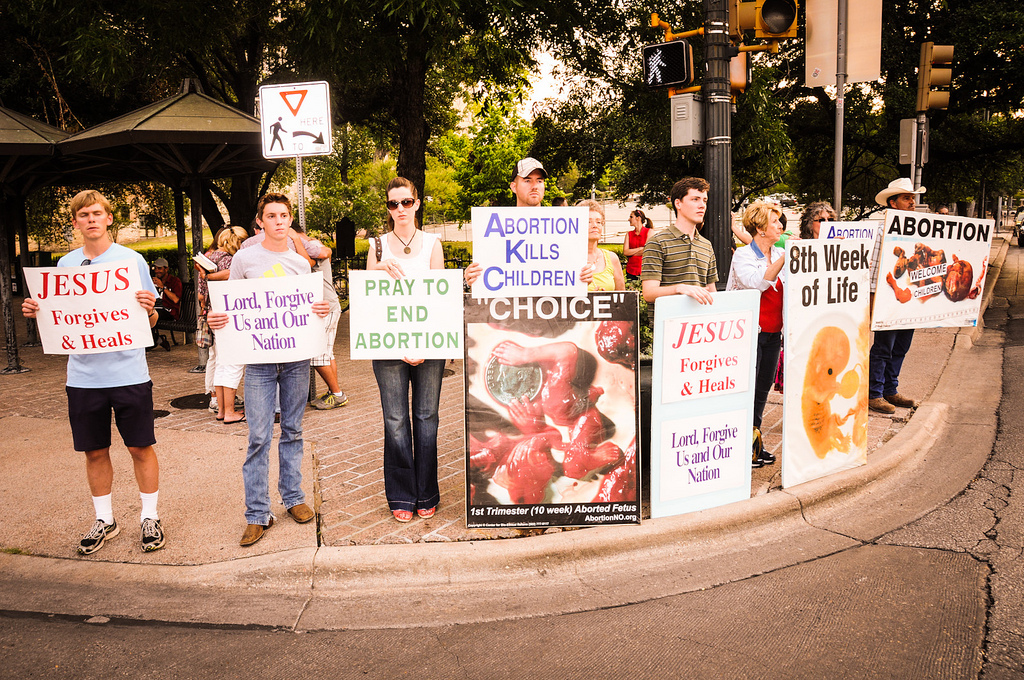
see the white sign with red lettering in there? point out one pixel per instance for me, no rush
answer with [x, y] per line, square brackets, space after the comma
[89, 310]
[295, 119]
[707, 355]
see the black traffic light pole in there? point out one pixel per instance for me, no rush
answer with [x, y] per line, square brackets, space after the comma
[718, 134]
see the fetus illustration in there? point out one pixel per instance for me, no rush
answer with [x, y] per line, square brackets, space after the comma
[824, 380]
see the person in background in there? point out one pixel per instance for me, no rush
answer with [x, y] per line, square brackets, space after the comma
[812, 217]
[168, 302]
[410, 448]
[228, 241]
[636, 239]
[605, 265]
[559, 202]
[759, 266]
[889, 348]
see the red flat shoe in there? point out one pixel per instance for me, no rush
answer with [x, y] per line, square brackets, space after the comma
[426, 513]
[402, 515]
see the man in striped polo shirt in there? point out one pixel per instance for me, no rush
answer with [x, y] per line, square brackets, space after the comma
[678, 260]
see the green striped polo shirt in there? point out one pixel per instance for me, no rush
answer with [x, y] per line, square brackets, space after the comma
[672, 257]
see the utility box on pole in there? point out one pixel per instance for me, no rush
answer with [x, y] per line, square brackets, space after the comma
[908, 142]
[686, 120]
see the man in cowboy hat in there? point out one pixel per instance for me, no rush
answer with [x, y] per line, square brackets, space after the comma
[890, 347]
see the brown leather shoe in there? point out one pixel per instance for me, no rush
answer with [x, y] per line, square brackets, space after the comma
[254, 532]
[301, 513]
[901, 401]
[880, 405]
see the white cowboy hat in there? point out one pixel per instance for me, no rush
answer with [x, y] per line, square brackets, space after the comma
[903, 185]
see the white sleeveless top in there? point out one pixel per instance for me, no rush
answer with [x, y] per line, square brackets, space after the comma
[420, 262]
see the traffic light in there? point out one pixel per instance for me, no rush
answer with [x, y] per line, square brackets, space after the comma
[667, 64]
[935, 70]
[772, 19]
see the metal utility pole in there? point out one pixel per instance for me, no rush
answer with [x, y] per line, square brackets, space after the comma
[837, 202]
[718, 133]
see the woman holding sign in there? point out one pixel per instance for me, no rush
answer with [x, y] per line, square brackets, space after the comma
[759, 267]
[605, 265]
[410, 448]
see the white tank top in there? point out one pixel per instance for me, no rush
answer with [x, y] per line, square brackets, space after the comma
[417, 263]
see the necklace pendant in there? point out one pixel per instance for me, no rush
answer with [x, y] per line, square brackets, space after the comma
[408, 250]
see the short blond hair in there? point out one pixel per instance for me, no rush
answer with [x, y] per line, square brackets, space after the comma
[83, 199]
[229, 239]
[758, 214]
[593, 205]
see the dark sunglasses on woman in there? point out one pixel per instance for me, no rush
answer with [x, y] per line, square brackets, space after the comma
[405, 203]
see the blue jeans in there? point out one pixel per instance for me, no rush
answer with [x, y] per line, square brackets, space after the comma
[768, 346]
[886, 359]
[262, 382]
[410, 449]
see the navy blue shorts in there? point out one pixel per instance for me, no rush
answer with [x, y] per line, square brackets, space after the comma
[89, 410]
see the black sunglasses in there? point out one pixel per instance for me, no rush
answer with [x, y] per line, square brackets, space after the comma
[405, 203]
[85, 263]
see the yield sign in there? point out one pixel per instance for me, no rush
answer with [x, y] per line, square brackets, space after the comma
[293, 100]
[295, 119]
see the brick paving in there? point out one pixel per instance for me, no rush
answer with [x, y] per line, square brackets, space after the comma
[347, 443]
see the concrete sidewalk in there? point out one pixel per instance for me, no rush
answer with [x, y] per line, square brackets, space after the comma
[289, 580]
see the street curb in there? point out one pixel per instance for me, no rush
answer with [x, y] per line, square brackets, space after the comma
[427, 584]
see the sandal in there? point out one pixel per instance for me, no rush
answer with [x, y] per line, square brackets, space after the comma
[402, 515]
[426, 513]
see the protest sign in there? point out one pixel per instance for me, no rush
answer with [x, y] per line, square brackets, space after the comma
[551, 417]
[702, 401]
[826, 340]
[89, 310]
[530, 251]
[417, 316]
[931, 270]
[271, 319]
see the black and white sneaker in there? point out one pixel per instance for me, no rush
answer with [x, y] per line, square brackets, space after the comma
[99, 533]
[152, 535]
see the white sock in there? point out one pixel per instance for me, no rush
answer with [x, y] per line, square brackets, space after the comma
[104, 507]
[338, 394]
[149, 505]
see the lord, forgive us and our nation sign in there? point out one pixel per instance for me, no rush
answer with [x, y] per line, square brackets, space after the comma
[271, 319]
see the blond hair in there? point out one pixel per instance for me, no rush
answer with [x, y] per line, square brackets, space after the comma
[758, 215]
[83, 199]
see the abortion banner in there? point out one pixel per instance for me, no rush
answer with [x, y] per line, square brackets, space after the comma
[551, 417]
[419, 317]
[931, 270]
[271, 319]
[702, 401]
[530, 251]
[89, 310]
[826, 340]
[861, 229]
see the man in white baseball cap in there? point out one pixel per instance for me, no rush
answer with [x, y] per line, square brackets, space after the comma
[890, 348]
[528, 183]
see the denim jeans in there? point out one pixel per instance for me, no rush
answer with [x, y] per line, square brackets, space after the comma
[261, 387]
[768, 346]
[410, 449]
[886, 359]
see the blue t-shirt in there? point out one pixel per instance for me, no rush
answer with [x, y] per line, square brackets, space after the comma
[109, 369]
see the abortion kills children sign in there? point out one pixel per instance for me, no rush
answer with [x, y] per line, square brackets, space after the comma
[702, 401]
[551, 417]
[91, 309]
[270, 319]
[530, 251]
[826, 326]
[418, 316]
[931, 270]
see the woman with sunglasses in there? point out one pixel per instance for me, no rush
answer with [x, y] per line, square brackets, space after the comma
[636, 239]
[410, 447]
[813, 216]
